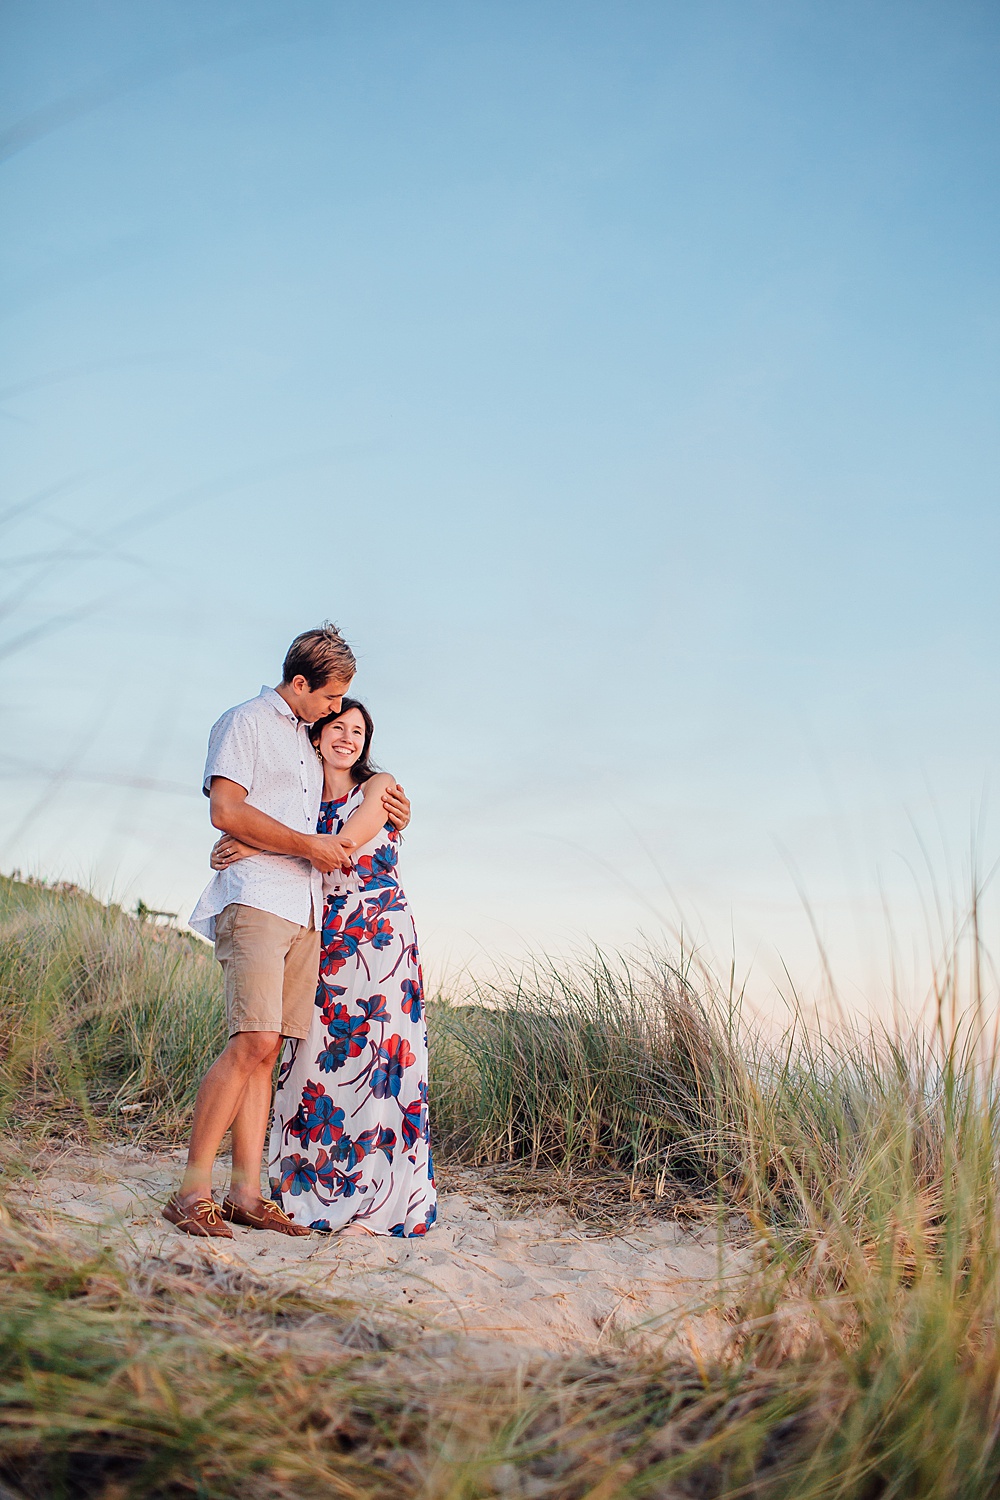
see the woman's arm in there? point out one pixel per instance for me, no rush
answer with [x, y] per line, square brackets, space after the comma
[231, 813]
[226, 851]
[364, 824]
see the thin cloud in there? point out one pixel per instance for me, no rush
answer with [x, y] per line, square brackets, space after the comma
[39, 123]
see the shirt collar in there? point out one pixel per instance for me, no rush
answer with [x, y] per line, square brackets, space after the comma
[278, 702]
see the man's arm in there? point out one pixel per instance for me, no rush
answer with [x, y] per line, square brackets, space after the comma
[230, 813]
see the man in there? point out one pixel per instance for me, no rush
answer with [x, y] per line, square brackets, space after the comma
[265, 914]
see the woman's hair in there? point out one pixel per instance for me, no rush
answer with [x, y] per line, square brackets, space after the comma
[363, 767]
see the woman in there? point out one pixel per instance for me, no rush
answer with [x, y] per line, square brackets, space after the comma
[350, 1143]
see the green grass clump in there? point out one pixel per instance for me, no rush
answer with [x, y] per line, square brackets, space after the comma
[597, 1065]
[102, 1015]
[858, 1360]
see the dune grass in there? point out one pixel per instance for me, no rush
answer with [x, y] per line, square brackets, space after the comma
[863, 1358]
[177, 1378]
[104, 1017]
[600, 1064]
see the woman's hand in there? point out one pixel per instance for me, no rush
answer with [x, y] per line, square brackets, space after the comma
[227, 850]
[397, 806]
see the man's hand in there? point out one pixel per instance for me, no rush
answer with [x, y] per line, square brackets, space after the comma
[330, 851]
[397, 807]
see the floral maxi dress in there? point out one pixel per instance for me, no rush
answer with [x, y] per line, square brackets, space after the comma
[350, 1141]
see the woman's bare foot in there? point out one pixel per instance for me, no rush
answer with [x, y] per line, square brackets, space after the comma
[356, 1230]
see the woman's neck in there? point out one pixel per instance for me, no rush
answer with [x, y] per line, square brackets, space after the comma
[336, 784]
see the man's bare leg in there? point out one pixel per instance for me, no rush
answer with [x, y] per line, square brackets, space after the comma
[249, 1128]
[219, 1101]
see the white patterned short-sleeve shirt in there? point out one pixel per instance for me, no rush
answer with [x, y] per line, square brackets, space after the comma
[262, 746]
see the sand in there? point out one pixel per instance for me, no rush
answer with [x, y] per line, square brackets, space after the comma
[501, 1285]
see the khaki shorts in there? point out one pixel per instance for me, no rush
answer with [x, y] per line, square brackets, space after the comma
[271, 968]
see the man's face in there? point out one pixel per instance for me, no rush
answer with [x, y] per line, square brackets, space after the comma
[316, 703]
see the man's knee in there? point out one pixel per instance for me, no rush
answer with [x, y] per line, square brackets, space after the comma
[255, 1047]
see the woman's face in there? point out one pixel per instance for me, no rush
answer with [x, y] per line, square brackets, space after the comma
[342, 741]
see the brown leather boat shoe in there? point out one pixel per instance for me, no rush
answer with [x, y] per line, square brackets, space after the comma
[265, 1216]
[203, 1218]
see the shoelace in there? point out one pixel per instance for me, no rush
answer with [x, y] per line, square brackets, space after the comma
[266, 1207]
[209, 1210]
[278, 1212]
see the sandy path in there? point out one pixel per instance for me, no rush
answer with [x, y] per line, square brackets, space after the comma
[501, 1285]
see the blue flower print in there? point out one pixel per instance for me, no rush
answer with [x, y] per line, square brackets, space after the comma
[318, 1118]
[298, 1175]
[380, 933]
[377, 871]
[413, 1000]
[338, 1184]
[393, 1056]
[327, 996]
[341, 945]
[376, 1139]
[349, 1185]
[411, 1126]
[345, 1039]
[415, 1126]
[390, 899]
[331, 917]
[349, 1152]
[374, 1008]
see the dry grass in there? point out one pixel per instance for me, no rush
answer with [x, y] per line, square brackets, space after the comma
[171, 1378]
[178, 1378]
[864, 1358]
[603, 1202]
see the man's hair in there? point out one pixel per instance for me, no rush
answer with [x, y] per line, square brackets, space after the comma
[320, 656]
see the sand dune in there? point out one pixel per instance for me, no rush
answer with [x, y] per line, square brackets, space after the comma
[499, 1286]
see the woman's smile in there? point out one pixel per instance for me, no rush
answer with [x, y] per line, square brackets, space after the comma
[342, 742]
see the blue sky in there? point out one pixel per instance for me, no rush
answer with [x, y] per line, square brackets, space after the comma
[623, 378]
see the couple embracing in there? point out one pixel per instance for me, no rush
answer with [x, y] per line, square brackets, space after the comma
[319, 954]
